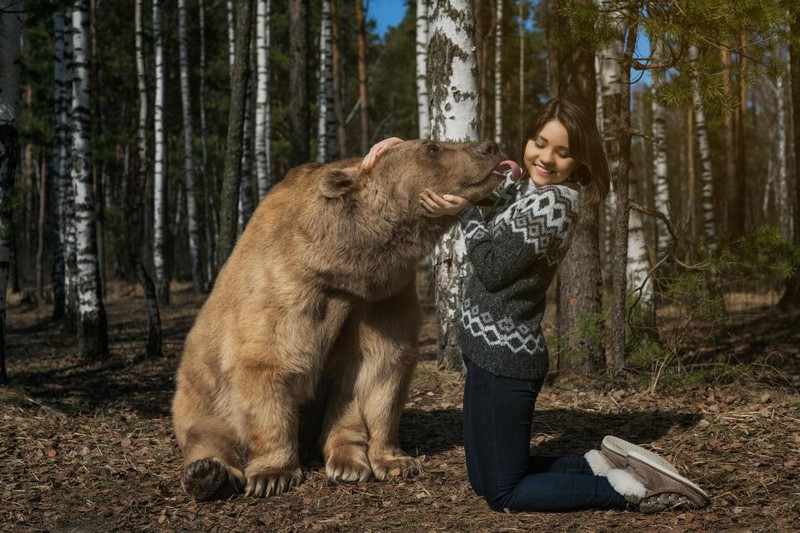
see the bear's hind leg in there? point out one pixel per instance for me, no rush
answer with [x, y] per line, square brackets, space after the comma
[211, 461]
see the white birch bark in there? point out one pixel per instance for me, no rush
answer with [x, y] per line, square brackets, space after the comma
[263, 133]
[640, 283]
[704, 154]
[92, 334]
[327, 144]
[10, 61]
[188, 153]
[67, 213]
[453, 94]
[135, 196]
[660, 167]
[423, 104]
[498, 85]
[159, 170]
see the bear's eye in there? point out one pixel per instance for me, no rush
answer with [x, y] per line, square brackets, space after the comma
[433, 148]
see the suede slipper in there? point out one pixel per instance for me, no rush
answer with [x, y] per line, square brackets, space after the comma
[616, 449]
[658, 479]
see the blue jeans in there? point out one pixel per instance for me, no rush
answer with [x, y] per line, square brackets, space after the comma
[498, 415]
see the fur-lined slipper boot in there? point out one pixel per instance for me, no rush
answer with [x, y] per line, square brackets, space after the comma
[650, 488]
[616, 449]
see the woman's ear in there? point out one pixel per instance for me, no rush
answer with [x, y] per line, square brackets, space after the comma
[336, 184]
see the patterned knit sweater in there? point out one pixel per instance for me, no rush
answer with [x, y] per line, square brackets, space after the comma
[515, 253]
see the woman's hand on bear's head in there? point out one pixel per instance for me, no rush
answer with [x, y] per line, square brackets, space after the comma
[369, 160]
[434, 205]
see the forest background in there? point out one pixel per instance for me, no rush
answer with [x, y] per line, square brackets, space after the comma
[179, 135]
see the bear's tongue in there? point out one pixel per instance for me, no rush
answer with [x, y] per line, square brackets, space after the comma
[511, 166]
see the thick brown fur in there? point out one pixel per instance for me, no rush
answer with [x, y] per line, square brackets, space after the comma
[317, 302]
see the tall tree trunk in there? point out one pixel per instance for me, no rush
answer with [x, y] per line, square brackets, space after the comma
[660, 167]
[246, 175]
[298, 82]
[209, 212]
[263, 133]
[498, 75]
[43, 191]
[622, 218]
[160, 226]
[134, 200]
[791, 295]
[233, 154]
[730, 149]
[738, 192]
[784, 206]
[361, 32]
[58, 175]
[327, 145]
[692, 211]
[704, 152]
[10, 61]
[454, 112]
[579, 281]
[338, 74]
[423, 105]
[67, 212]
[552, 31]
[188, 155]
[483, 15]
[93, 329]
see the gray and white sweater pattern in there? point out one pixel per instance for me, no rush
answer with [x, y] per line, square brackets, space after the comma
[515, 253]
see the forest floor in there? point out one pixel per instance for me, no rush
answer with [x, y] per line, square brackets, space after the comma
[89, 446]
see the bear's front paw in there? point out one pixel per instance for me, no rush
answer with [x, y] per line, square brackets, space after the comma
[348, 463]
[265, 482]
[209, 478]
[395, 464]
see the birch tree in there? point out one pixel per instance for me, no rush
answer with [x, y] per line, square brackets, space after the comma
[135, 198]
[93, 329]
[703, 153]
[454, 111]
[263, 118]
[159, 168]
[423, 111]
[327, 145]
[10, 61]
[188, 153]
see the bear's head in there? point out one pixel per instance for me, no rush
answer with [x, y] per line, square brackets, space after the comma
[404, 170]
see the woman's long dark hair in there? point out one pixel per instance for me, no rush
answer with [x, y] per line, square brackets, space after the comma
[585, 145]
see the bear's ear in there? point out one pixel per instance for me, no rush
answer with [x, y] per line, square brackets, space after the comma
[336, 184]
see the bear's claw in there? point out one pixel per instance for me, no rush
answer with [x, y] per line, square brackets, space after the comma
[209, 478]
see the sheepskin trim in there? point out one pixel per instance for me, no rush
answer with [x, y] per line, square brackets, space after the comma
[597, 462]
[626, 485]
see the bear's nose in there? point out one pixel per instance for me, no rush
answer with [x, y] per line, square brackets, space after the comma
[489, 148]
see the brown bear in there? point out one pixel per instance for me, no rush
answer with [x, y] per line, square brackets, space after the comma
[317, 303]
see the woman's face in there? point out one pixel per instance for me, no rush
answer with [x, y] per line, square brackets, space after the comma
[547, 157]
